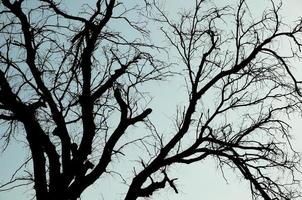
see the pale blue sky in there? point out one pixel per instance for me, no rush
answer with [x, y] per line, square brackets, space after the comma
[198, 181]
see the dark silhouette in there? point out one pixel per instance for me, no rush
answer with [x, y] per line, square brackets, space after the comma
[74, 84]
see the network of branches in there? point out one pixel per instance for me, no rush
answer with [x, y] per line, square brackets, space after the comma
[74, 86]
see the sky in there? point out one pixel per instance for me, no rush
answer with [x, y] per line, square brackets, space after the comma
[197, 181]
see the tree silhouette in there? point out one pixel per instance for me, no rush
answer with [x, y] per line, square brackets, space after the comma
[75, 84]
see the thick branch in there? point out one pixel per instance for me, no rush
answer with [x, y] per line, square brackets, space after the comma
[31, 52]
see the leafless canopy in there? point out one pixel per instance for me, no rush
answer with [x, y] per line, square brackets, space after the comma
[75, 83]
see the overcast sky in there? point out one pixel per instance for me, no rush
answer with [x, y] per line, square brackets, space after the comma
[198, 181]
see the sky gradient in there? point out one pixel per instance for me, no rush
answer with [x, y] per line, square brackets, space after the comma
[197, 181]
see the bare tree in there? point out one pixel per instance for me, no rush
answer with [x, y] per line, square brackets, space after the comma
[74, 83]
